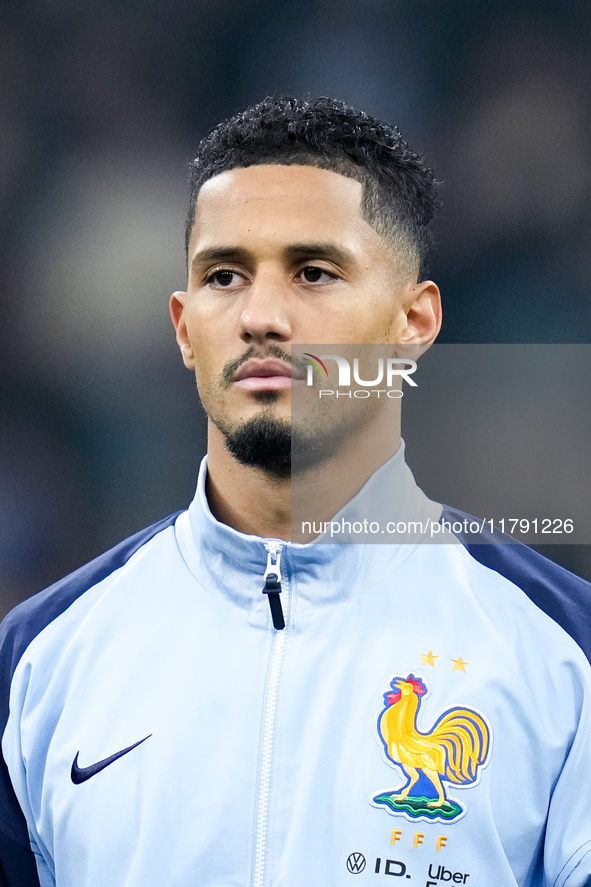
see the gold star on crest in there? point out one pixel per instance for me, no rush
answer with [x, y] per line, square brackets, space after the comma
[459, 665]
[428, 658]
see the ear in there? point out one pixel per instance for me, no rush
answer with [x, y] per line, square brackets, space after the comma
[178, 301]
[422, 307]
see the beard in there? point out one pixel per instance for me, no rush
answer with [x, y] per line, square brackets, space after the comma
[263, 443]
[279, 449]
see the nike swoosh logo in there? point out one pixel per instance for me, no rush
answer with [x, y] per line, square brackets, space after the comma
[81, 774]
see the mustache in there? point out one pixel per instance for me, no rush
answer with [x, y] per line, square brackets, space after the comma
[232, 367]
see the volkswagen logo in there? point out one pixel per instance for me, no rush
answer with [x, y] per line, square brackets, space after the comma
[356, 863]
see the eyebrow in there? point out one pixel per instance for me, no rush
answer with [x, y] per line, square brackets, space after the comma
[220, 254]
[317, 250]
[328, 250]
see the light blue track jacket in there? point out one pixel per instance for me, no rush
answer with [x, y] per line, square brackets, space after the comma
[424, 715]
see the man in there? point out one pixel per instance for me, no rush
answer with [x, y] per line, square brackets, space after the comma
[210, 703]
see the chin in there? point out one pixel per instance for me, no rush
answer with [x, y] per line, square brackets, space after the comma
[263, 442]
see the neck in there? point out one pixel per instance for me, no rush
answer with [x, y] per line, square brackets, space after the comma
[255, 502]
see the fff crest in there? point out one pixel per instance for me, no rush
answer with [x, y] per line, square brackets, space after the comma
[451, 752]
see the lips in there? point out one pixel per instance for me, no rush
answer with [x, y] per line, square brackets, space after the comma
[265, 374]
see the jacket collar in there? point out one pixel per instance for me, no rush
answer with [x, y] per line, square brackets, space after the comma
[216, 553]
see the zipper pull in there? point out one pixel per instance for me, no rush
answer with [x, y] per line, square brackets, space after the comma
[272, 587]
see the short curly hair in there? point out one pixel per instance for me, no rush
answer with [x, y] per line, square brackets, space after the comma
[400, 194]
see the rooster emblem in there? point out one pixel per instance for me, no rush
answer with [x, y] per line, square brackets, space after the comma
[453, 750]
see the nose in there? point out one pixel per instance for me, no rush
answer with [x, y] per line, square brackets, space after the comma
[265, 313]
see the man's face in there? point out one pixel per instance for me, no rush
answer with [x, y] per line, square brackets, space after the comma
[282, 255]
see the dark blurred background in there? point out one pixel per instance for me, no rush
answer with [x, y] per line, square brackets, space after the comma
[102, 106]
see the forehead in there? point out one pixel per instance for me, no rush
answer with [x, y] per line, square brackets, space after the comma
[277, 202]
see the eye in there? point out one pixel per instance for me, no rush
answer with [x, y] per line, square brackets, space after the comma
[313, 274]
[221, 278]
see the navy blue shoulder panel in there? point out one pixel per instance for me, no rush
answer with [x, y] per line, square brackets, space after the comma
[564, 597]
[19, 628]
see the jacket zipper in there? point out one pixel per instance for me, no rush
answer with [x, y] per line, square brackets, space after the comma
[272, 586]
[272, 579]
